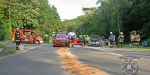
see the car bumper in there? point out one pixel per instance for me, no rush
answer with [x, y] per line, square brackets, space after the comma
[41, 41]
[60, 44]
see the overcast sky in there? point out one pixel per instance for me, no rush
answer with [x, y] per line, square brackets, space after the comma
[69, 9]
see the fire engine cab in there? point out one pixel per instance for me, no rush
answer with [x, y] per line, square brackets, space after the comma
[28, 36]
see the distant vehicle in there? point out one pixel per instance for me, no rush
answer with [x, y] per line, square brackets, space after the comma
[106, 41]
[73, 37]
[94, 40]
[61, 40]
[28, 36]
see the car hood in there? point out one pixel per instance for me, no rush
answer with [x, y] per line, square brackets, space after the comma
[61, 39]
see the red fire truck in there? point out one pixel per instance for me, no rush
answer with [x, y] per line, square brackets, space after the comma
[28, 36]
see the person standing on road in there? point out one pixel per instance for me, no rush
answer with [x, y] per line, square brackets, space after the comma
[121, 39]
[111, 39]
[87, 39]
[17, 36]
[53, 34]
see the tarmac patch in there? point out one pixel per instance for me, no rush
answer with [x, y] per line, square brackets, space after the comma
[76, 67]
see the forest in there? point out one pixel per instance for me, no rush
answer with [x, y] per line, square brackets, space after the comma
[38, 15]
[110, 15]
[115, 16]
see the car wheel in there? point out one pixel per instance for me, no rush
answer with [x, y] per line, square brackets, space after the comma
[37, 42]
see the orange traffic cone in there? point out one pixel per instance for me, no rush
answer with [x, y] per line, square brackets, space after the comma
[82, 44]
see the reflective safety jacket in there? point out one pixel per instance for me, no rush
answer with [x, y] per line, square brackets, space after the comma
[87, 38]
[17, 36]
[121, 38]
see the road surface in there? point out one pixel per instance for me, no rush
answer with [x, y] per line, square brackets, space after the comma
[43, 60]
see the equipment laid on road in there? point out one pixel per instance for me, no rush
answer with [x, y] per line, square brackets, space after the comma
[21, 48]
[94, 40]
[27, 36]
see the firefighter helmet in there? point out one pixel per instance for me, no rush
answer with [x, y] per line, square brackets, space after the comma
[121, 33]
[17, 29]
[111, 33]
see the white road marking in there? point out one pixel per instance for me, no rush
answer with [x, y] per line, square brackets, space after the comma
[30, 48]
[97, 48]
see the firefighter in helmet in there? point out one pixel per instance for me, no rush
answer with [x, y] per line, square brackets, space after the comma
[111, 39]
[53, 34]
[120, 39]
[87, 39]
[17, 36]
[84, 39]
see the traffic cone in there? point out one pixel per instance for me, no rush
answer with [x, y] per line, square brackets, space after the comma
[82, 44]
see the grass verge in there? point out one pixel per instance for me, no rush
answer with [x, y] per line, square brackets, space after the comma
[7, 50]
[140, 48]
[134, 47]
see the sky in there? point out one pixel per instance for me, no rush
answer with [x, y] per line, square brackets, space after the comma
[70, 9]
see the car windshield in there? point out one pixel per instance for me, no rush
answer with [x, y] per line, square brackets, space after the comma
[60, 36]
[64, 32]
[94, 38]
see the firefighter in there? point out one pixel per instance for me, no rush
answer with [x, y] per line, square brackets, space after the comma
[70, 41]
[84, 39]
[17, 36]
[120, 39]
[111, 39]
[87, 39]
[53, 34]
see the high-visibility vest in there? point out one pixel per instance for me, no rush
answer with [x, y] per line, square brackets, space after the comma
[121, 38]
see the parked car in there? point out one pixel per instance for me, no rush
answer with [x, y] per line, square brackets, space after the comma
[61, 40]
[106, 41]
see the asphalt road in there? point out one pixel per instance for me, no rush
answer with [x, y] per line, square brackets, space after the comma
[35, 60]
[43, 60]
[108, 59]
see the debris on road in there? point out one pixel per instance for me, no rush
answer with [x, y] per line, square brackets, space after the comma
[74, 66]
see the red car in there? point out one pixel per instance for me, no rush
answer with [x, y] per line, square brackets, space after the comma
[61, 40]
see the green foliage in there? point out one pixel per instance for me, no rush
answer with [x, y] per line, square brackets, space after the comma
[28, 14]
[116, 16]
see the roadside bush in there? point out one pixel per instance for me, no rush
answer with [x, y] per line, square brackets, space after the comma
[148, 40]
